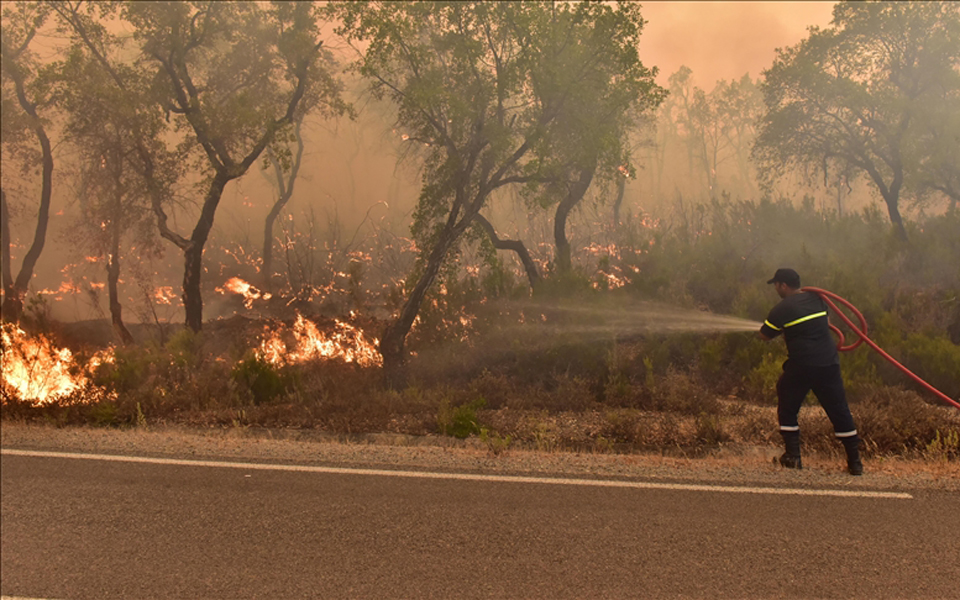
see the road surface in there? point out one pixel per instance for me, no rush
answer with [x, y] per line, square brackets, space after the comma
[95, 528]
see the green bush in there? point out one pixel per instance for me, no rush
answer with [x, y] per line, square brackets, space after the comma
[460, 421]
[934, 359]
[260, 379]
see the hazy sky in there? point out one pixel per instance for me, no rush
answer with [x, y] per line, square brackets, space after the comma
[723, 40]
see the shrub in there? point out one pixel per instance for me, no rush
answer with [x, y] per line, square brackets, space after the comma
[936, 360]
[461, 421]
[896, 420]
[710, 430]
[260, 379]
[496, 444]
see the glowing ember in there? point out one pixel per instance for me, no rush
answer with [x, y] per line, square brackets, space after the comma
[36, 371]
[346, 343]
[248, 291]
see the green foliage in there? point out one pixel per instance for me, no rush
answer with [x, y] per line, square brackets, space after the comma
[261, 379]
[496, 444]
[944, 446]
[128, 371]
[185, 348]
[459, 421]
[566, 82]
[818, 91]
[103, 414]
[935, 359]
[621, 426]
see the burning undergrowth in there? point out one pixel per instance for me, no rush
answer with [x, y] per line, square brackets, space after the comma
[38, 371]
[305, 341]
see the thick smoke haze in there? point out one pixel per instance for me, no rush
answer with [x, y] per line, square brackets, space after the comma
[724, 40]
[352, 180]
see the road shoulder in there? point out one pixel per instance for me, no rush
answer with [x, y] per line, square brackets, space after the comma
[726, 466]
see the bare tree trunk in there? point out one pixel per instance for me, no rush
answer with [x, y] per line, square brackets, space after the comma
[285, 187]
[193, 254]
[618, 202]
[896, 219]
[573, 197]
[116, 310]
[5, 274]
[13, 301]
[514, 245]
[392, 343]
[892, 198]
[113, 270]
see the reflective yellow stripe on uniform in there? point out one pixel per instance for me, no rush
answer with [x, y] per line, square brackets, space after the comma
[771, 325]
[806, 318]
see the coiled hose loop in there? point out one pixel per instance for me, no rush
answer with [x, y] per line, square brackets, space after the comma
[862, 338]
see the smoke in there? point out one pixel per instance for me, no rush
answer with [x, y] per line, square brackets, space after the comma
[724, 40]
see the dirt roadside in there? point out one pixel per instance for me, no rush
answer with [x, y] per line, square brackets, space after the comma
[730, 465]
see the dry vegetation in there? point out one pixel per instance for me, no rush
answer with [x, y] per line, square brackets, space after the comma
[684, 394]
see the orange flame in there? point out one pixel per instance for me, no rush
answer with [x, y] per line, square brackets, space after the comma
[248, 291]
[164, 295]
[346, 343]
[39, 372]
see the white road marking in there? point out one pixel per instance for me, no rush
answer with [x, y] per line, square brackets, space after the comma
[648, 485]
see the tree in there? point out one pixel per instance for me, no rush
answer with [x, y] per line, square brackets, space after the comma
[938, 168]
[516, 246]
[589, 141]
[853, 94]
[233, 74]
[103, 130]
[114, 132]
[26, 92]
[478, 86]
[286, 167]
[740, 105]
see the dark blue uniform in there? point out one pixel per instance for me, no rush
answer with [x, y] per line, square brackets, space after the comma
[813, 363]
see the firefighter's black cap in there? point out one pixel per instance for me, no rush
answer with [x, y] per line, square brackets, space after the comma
[787, 276]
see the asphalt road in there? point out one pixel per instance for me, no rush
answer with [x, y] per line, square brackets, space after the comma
[94, 529]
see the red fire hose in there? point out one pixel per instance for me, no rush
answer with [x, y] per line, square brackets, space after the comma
[862, 338]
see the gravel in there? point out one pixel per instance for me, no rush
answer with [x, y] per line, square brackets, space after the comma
[731, 465]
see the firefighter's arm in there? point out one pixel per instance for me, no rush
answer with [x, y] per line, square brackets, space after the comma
[768, 330]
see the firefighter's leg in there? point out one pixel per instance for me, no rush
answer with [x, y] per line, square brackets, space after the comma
[829, 390]
[792, 388]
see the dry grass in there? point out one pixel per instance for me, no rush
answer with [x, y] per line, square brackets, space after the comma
[619, 401]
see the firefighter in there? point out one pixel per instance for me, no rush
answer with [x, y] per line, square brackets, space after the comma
[813, 363]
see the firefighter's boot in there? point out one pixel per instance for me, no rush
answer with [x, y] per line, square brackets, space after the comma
[791, 458]
[852, 446]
